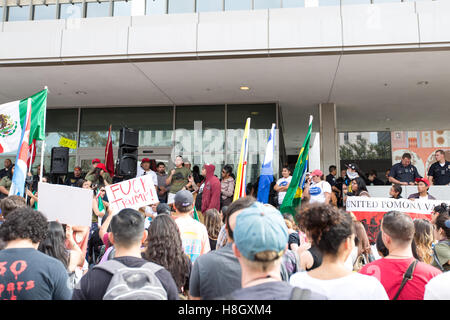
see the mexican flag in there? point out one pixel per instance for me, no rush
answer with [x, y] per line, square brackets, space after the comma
[12, 119]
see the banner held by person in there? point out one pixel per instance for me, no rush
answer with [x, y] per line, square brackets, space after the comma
[266, 177]
[370, 211]
[134, 193]
[293, 195]
[239, 190]
[69, 205]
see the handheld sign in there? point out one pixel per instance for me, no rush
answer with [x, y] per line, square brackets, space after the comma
[134, 193]
[64, 142]
[69, 205]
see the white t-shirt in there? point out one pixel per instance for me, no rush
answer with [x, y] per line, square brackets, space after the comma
[150, 172]
[438, 288]
[355, 286]
[282, 182]
[317, 191]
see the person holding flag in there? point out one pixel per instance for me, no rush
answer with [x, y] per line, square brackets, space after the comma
[266, 177]
[294, 193]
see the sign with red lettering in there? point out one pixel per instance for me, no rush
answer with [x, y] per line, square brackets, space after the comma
[370, 211]
[134, 193]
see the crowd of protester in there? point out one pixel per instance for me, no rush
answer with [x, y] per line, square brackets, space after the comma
[197, 243]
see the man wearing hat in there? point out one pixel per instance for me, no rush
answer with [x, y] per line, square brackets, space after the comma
[319, 190]
[145, 165]
[73, 178]
[423, 185]
[260, 240]
[99, 170]
[193, 233]
[404, 172]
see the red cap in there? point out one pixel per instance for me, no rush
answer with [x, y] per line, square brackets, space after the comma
[77, 167]
[145, 160]
[102, 166]
[96, 161]
[316, 172]
[424, 180]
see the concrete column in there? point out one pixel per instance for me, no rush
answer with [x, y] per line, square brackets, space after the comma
[328, 137]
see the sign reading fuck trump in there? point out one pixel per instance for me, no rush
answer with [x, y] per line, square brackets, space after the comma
[134, 193]
[370, 211]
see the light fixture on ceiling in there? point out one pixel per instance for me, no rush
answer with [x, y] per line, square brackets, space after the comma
[80, 92]
[388, 119]
[244, 88]
[422, 83]
[254, 113]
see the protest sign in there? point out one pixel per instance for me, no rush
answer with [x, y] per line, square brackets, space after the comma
[370, 211]
[64, 142]
[134, 193]
[69, 205]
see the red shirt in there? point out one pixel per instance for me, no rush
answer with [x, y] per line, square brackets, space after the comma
[390, 273]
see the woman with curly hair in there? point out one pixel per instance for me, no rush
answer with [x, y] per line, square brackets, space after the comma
[164, 247]
[424, 238]
[333, 232]
[213, 225]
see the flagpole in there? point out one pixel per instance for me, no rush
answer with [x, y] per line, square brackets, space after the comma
[29, 168]
[41, 174]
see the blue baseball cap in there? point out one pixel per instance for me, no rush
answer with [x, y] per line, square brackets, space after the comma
[260, 228]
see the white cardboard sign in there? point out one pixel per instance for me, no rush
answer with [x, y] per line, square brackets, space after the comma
[134, 193]
[70, 205]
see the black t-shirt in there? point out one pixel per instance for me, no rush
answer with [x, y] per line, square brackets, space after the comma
[331, 180]
[440, 174]
[404, 174]
[93, 285]
[375, 182]
[293, 238]
[28, 274]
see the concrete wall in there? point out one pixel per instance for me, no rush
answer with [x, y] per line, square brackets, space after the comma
[260, 32]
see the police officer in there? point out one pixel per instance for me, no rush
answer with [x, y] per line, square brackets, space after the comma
[439, 172]
[404, 172]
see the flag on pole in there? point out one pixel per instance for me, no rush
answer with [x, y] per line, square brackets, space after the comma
[31, 154]
[12, 121]
[294, 193]
[266, 176]
[109, 155]
[239, 189]
[30, 123]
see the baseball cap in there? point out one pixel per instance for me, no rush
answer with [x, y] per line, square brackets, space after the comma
[145, 160]
[96, 161]
[260, 228]
[352, 166]
[424, 180]
[102, 166]
[184, 198]
[77, 168]
[316, 172]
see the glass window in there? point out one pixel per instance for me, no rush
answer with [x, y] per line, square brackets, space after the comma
[293, 3]
[209, 5]
[181, 6]
[71, 11]
[238, 5]
[345, 2]
[329, 3]
[267, 4]
[97, 9]
[155, 7]
[154, 125]
[44, 12]
[1, 13]
[386, 1]
[18, 13]
[122, 8]
[262, 116]
[200, 135]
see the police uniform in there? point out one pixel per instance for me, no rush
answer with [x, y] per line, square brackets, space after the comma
[404, 174]
[440, 174]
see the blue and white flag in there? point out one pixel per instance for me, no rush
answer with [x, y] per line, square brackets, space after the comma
[266, 177]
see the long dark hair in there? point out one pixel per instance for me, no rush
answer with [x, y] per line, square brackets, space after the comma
[53, 244]
[361, 186]
[98, 176]
[164, 247]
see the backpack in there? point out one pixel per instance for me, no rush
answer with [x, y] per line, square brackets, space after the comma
[133, 283]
